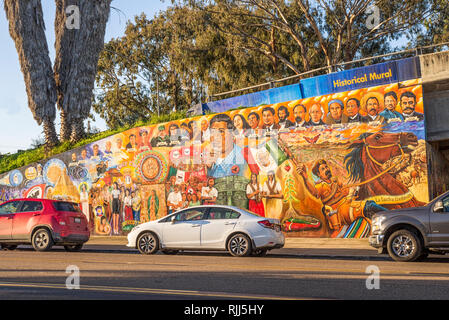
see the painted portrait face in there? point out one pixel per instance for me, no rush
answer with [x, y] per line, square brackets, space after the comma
[221, 137]
[335, 111]
[352, 109]
[96, 149]
[390, 103]
[173, 130]
[267, 118]
[238, 123]
[144, 136]
[204, 125]
[324, 171]
[282, 115]
[299, 114]
[316, 113]
[119, 143]
[372, 106]
[408, 105]
[253, 121]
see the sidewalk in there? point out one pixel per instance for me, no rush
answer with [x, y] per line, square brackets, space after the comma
[319, 243]
[298, 247]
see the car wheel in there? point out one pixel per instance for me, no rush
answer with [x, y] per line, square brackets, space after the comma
[42, 240]
[239, 245]
[73, 248]
[148, 243]
[8, 246]
[170, 252]
[404, 245]
[260, 252]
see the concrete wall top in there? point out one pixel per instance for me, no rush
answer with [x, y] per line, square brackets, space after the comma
[435, 66]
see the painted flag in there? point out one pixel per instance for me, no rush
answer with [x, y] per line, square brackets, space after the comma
[265, 157]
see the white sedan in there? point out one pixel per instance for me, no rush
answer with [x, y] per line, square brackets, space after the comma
[209, 227]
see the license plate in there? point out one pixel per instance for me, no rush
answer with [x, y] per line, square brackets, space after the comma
[77, 220]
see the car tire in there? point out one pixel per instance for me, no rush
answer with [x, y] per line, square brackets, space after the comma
[404, 246]
[73, 248]
[260, 252]
[148, 243]
[239, 245]
[8, 247]
[170, 252]
[42, 240]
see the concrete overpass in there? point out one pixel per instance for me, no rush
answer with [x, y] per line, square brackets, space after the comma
[435, 77]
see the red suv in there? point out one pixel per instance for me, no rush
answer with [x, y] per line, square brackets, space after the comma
[42, 223]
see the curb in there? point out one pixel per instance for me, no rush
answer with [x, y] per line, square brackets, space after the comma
[299, 243]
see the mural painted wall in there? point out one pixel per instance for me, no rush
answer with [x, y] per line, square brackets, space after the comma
[322, 165]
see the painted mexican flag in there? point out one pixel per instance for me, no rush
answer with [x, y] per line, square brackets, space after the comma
[264, 157]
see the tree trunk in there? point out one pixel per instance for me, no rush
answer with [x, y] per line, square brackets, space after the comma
[77, 53]
[78, 131]
[51, 139]
[66, 127]
[27, 29]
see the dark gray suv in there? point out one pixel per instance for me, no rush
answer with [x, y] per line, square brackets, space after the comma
[412, 233]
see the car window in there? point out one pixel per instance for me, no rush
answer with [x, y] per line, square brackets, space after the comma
[223, 213]
[31, 206]
[446, 204]
[66, 206]
[10, 207]
[190, 215]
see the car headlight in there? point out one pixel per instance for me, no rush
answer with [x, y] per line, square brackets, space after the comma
[377, 223]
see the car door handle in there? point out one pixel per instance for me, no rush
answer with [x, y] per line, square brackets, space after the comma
[36, 214]
[196, 225]
[229, 223]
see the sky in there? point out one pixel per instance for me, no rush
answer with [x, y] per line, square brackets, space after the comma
[17, 125]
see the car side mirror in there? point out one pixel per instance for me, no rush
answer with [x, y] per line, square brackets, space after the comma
[438, 207]
[172, 219]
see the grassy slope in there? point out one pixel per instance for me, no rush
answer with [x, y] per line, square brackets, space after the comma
[10, 162]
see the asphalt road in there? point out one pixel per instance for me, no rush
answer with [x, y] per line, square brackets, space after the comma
[109, 272]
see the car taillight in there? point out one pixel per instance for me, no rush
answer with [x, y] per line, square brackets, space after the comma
[60, 220]
[266, 224]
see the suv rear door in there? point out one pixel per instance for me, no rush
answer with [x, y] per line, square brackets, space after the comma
[72, 215]
[7, 212]
[26, 218]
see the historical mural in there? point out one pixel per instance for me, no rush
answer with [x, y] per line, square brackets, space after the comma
[322, 165]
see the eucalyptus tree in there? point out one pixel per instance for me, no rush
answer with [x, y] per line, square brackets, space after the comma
[78, 45]
[323, 33]
[27, 29]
